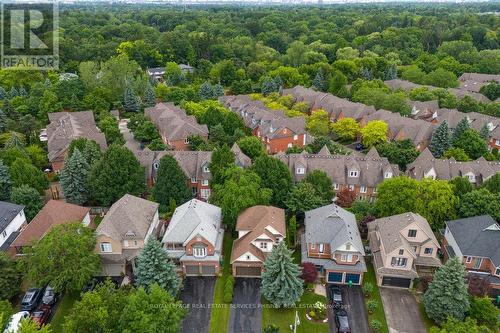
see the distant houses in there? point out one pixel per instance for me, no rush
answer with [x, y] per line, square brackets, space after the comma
[157, 73]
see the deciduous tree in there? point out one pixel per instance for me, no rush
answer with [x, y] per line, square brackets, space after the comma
[275, 174]
[347, 129]
[171, 183]
[251, 146]
[10, 277]
[322, 184]
[28, 197]
[5, 183]
[374, 132]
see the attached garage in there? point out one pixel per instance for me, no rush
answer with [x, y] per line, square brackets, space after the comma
[208, 270]
[113, 269]
[192, 270]
[335, 277]
[393, 281]
[352, 278]
[248, 271]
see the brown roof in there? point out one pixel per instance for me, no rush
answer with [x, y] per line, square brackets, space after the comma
[53, 213]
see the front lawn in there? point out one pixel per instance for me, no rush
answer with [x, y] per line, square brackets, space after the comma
[63, 308]
[283, 318]
[378, 314]
[219, 317]
[427, 321]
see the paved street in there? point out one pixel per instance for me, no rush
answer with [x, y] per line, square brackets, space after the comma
[401, 311]
[246, 316]
[198, 291]
[354, 305]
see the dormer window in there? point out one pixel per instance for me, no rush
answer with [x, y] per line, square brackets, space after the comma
[388, 174]
[205, 168]
[186, 140]
[497, 271]
[300, 171]
[106, 247]
[348, 247]
[401, 252]
[193, 180]
[199, 251]
[295, 137]
[471, 177]
[412, 233]
[335, 186]
[353, 173]
[321, 248]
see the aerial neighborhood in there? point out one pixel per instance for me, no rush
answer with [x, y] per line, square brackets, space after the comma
[266, 168]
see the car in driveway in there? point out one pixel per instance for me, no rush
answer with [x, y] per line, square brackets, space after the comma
[41, 316]
[31, 299]
[49, 296]
[335, 296]
[342, 321]
[13, 325]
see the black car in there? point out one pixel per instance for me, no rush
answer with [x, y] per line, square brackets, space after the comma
[335, 295]
[31, 299]
[342, 321]
[359, 146]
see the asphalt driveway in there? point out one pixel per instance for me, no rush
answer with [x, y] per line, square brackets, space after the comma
[246, 314]
[401, 311]
[197, 294]
[353, 303]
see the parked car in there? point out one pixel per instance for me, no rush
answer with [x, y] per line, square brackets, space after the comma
[49, 296]
[335, 295]
[41, 316]
[359, 146]
[14, 321]
[31, 299]
[342, 321]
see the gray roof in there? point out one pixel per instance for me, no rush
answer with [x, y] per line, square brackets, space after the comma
[334, 225]
[128, 218]
[381, 269]
[477, 236]
[8, 211]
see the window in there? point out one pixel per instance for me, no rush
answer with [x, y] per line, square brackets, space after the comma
[374, 190]
[348, 247]
[199, 251]
[205, 193]
[468, 260]
[351, 187]
[401, 252]
[353, 173]
[362, 189]
[300, 171]
[321, 248]
[477, 265]
[204, 182]
[156, 165]
[414, 248]
[186, 140]
[4, 234]
[412, 233]
[135, 243]
[263, 245]
[313, 246]
[428, 250]
[106, 247]
[349, 257]
[205, 168]
[497, 271]
[472, 178]
[193, 180]
[125, 243]
[400, 262]
[289, 145]
[335, 186]
[497, 142]
[295, 137]
[388, 175]
[343, 257]
[248, 257]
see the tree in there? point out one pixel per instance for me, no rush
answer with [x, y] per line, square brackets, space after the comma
[345, 197]
[10, 277]
[149, 96]
[436, 202]
[374, 132]
[347, 129]
[319, 82]
[170, 183]
[447, 293]
[484, 311]
[89, 148]
[492, 184]
[292, 231]
[218, 91]
[24, 173]
[276, 175]
[396, 196]
[64, 257]
[222, 159]
[462, 126]
[469, 104]
[206, 91]
[74, 177]
[303, 197]
[29, 198]
[29, 326]
[480, 202]
[318, 123]
[440, 141]
[154, 266]
[322, 184]
[484, 132]
[461, 186]
[456, 153]
[281, 284]
[458, 326]
[251, 146]
[471, 142]
[130, 100]
[5, 183]
[400, 152]
[118, 172]
[478, 286]
[6, 312]
[309, 272]
[109, 126]
[491, 90]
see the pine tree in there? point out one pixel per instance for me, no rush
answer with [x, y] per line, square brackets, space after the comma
[447, 294]
[319, 81]
[130, 102]
[13, 92]
[3, 121]
[281, 284]
[440, 141]
[391, 73]
[91, 152]
[366, 73]
[218, 91]
[149, 96]
[23, 92]
[267, 86]
[484, 132]
[47, 83]
[154, 266]
[170, 183]
[3, 93]
[462, 126]
[74, 178]
[206, 91]
[5, 183]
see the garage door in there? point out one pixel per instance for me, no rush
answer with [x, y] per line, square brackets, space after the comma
[354, 278]
[207, 270]
[335, 277]
[248, 271]
[192, 270]
[396, 282]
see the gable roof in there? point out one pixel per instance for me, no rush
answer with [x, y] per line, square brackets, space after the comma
[241, 159]
[128, 218]
[477, 236]
[8, 211]
[53, 213]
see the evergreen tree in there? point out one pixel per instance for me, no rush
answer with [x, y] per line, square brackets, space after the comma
[447, 294]
[23, 92]
[3, 121]
[13, 92]
[278, 83]
[267, 86]
[218, 91]
[170, 184]
[462, 126]
[91, 152]
[206, 91]
[29, 198]
[74, 178]
[366, 73]
[47, 83]
[130, 102]
[391, 73]
[319, 82]
[3, 93]
[484, 132]
[149, 96]
[5, 183]
[281, 282]
[440, 141]
[222, 159]
[154, 266]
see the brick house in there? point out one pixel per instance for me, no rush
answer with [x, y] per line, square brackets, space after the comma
[259, 228]
[331, 241]
[404, 248]
[476, 241]
[193, 239]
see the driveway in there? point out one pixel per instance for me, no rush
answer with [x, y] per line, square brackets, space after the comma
[246, 314]
[354, 304]
[197, 294]
[401, 311]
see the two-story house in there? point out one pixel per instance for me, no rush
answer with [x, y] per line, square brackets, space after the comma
[331, 242]
[122, 233]
[259, 228]
[193, 239]
[12, 218]
[404, 248]
[476, 241]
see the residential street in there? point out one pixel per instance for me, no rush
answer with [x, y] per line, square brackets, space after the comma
[354, 305]
[198, 293]
[401, 311]
[246, 315]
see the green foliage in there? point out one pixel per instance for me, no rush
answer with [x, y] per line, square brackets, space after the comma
[347, 129]
[109, 126]
[458, 326]
[491, 90]
[368, 289]
[375, 325]
[170, 183]
[275, 174]
[24, 173]
[480, 202]
[304, 197]
[457, 153]
[74, 179]
[472, 144]
[89, 148]
[400, 152]
[371, 305]
[5, 183]
[321, 183]
[318, 123]
[29, 326]
[461, 186]
[374, 132]
[228, 289]
[252, 147]
[462, 126]
[222, 159]
[149, 96]
[10, 278]
[485, 312]
[6, 312]
[29, 198]
[440, 141]
[492, 184]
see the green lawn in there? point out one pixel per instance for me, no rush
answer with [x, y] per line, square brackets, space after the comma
[220, 316]
[379, 313]
[283, 318]
[63, 308]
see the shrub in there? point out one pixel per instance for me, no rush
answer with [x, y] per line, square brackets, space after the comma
[271, 329]
[371, 305]
[312, 314]
[367, 289]
[228, 290]
[376, 325]
[309, 272]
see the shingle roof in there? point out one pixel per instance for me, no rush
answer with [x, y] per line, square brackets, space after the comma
[8, 211]
[477, 236]
[241, 159]
[128, 218]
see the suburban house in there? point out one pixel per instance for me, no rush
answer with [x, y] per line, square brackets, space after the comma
[64, 127]
[193, 239]
[259, 228]
[122, 233]
[476, 120]
[427, 166]
[476, 241]
[494, 141]
[12, 218]
[174, 125]
[53, 213]
[361, 174]
[424, 110]
[157, 73]
[404, 248]
[276, 131]
[331, 242]
[475, 81]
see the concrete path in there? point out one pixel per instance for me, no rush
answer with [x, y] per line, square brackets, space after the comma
[401, 311]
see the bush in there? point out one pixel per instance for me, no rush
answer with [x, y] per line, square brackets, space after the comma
[271, 329]
[371, 305]
[228, 290]
[367, 289]
[376, 325]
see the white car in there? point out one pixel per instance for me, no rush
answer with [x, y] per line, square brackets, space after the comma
[15, 320]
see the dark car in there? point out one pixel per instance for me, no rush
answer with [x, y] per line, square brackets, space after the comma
[359, 146]
[41, 316]
[342, 321]
[31, 299]
[49, 296]
[335, 295]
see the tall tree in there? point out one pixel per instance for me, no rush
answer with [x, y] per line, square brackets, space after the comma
[485, 312]
[436, 202]
[396, 196]
[347, 129]
[74, 179]
[281, 282]
[149, 96]
[251, 146]
[304, 197]
[480, 202]
[322, 184]
[447, 293]
[492, 184]
[468, 325]
[154, 266]
[462, 126]
[5, 183]
[400, 152]
[319, 82]
[171, 183]
[6, 312]
[275, 174]
[374, 132]
[130, 100]
[440, 141]
[206, 91]
[222, 159]
[472, 143]
[24, 173]
[461, 186]
[29, 198]
[10, 277]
